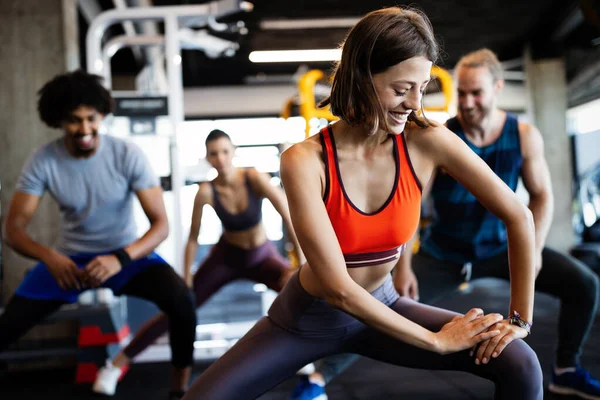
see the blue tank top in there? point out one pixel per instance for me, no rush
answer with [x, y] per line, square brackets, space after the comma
[244, 220]
[463, 230]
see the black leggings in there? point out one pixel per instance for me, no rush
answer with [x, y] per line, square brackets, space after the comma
[301, 329]
[158, 284]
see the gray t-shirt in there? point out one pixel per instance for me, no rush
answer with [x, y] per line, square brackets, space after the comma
[95, 194]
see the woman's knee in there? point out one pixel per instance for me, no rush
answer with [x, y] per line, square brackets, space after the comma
[529, 370]
[521, 368]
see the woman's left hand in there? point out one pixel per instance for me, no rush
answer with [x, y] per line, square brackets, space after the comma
[492, 348]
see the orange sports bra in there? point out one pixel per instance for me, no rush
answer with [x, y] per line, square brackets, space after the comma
[378, 237]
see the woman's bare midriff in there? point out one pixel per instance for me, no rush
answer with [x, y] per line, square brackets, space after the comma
[370, 278]
[248, 239]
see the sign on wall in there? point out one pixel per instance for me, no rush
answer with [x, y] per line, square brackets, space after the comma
[141, 106]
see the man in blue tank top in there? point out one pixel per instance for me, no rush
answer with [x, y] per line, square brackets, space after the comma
[466, 239]
[94, 179]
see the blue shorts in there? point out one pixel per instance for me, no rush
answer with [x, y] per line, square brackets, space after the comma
[39, 283]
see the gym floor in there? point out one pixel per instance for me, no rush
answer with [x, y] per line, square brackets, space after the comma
[365, 380]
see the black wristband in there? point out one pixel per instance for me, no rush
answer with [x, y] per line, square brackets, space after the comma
[123, 257]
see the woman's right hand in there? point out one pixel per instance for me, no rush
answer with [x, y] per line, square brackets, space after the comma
[465, 331]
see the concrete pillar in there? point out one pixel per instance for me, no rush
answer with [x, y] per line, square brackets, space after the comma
[38, 40]
[547, 91]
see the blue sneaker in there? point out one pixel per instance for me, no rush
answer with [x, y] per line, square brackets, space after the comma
[579, 383]
[307, 390]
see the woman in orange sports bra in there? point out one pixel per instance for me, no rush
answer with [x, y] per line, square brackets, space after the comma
[354, 195]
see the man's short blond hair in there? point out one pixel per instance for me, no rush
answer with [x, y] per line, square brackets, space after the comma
[482, 58]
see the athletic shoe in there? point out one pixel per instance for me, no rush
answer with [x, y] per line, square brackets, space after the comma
[106, 380]
[578, 383]
[307, 390]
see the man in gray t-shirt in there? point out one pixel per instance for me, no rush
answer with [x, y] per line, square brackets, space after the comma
[94, 179]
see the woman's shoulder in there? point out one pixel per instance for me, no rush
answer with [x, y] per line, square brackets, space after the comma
[426, 137]
[303, 157]
[204, 193]
[306, 151]
[257, 180]
[251, 173]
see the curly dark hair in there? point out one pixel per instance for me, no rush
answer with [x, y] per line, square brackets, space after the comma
[66, 92]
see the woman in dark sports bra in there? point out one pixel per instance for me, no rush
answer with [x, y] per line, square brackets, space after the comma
[243, 252]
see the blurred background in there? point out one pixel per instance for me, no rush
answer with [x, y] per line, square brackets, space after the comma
[179, 69]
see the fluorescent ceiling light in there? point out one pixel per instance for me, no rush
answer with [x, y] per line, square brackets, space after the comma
[319, 23]
[295, 55]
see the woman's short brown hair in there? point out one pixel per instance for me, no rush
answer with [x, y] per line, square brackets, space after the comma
[381, 39]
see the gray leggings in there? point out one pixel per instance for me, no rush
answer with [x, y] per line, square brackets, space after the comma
[301, 328]
[561, 276]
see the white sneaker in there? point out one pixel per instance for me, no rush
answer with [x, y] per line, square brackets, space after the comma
[306, 370]
[106, 381]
